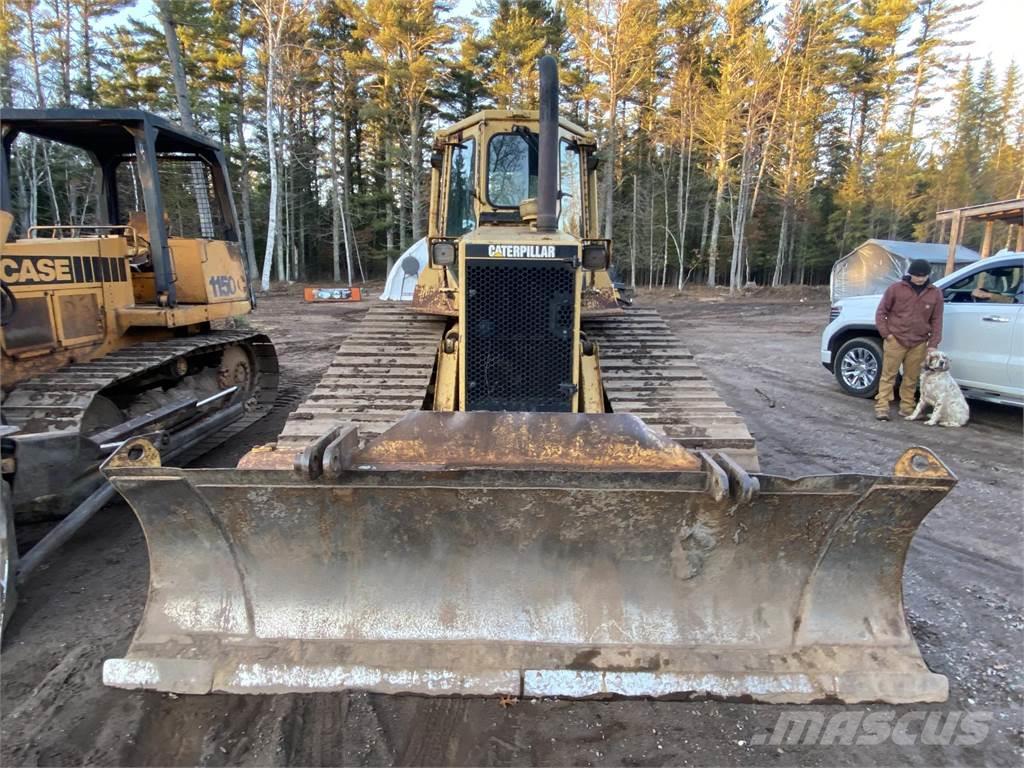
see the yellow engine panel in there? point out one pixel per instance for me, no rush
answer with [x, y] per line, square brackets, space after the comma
[205, 272]
[79, 297]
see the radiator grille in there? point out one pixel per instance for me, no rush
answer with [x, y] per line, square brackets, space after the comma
[519, 334]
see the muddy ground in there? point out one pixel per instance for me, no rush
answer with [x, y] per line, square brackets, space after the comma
[963, 592]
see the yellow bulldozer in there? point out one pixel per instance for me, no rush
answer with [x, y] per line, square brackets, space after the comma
[106, 328]
[517, 487]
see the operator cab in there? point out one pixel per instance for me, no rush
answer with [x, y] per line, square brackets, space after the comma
[485, 183]
[488, 167]
[138, 236]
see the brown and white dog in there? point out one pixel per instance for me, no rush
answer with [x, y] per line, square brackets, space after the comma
[941, 392]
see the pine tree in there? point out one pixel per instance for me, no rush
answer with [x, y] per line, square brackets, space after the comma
[617, 44]
[521, 31]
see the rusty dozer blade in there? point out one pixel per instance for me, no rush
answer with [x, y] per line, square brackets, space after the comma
[530, 555]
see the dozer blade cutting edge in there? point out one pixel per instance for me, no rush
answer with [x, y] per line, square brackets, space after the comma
[559, 554]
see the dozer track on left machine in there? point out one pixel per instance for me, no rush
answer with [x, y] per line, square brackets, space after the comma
[107, 327]
[65, 417]
[515, 486]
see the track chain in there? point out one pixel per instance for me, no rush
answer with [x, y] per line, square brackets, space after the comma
[382, 370]
[58, 401]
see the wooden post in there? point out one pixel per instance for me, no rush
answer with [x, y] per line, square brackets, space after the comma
[986, 244]
[954, 241]
[1020, 237]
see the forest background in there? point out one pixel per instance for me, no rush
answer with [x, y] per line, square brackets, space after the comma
[742, 141]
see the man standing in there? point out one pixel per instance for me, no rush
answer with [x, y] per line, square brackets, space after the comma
[909, 318]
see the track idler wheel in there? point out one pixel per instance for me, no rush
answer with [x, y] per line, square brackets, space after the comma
[237, 369]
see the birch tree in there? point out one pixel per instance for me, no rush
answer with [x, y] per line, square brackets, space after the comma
[616, 41]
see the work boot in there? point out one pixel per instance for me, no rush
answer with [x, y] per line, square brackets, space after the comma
[882, 415]
[905, 411]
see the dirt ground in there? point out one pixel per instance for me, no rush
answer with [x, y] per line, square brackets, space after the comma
[963, 589]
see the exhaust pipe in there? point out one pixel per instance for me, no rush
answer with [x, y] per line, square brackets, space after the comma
[547, 160]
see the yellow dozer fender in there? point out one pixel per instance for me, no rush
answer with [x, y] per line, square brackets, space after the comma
[526, 554]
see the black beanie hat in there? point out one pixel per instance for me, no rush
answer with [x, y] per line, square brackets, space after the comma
[919, 268]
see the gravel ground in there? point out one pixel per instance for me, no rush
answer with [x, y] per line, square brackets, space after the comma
[963, 590]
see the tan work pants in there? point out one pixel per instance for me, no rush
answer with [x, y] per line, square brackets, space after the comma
[894, 355]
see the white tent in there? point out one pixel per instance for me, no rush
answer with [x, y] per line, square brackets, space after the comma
[406, 271]
[876, 264]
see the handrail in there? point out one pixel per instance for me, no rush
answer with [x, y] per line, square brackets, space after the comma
[126, 228]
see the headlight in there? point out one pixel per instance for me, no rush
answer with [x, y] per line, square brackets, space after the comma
[595, 256]
[442, 253]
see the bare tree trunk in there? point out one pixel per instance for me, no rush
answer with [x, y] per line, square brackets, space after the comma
[243, 182]
[41, 104]
[780, 253]
[609, 194]
[666, 172]
[705, 220]
[346, 224]
[286, 187]
[403, 226]
[738, 272]
[282, 238]
[715, 224]
[683, 212]
[345, 239]
[390, 214]
[632, 241]
[415, 176]
[650, 231]
[335, 202]
[268, 253]
[177, 68]
[29, 212]
[64, 55]
[199, 187]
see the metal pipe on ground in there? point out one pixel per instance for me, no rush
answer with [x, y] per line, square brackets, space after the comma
[115, 436]
[98, 499]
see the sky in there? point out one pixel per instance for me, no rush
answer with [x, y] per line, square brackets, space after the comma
[998, 30]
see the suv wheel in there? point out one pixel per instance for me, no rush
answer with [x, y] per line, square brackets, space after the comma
[858, 366]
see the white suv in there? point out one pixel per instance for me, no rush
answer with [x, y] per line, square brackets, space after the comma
[982, 332]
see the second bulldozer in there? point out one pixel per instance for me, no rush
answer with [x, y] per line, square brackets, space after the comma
[107, 328]
[518, 487]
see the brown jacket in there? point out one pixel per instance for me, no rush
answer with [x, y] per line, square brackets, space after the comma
[910, 316]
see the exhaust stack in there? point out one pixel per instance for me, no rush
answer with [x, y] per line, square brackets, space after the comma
[547, 160]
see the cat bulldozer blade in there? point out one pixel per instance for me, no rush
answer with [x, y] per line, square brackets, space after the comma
[108, 324]
[516, 486]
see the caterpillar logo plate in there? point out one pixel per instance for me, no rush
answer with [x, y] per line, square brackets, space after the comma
[520, 251]
[59, 270]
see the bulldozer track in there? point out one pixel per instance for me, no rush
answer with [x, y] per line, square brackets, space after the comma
[379, 373]
[647, 371]
[58, 401]
[382, 370]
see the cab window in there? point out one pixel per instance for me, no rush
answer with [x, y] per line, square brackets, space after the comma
[461, 189]
[511, 170]
[570, 214]
[1001, 285]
